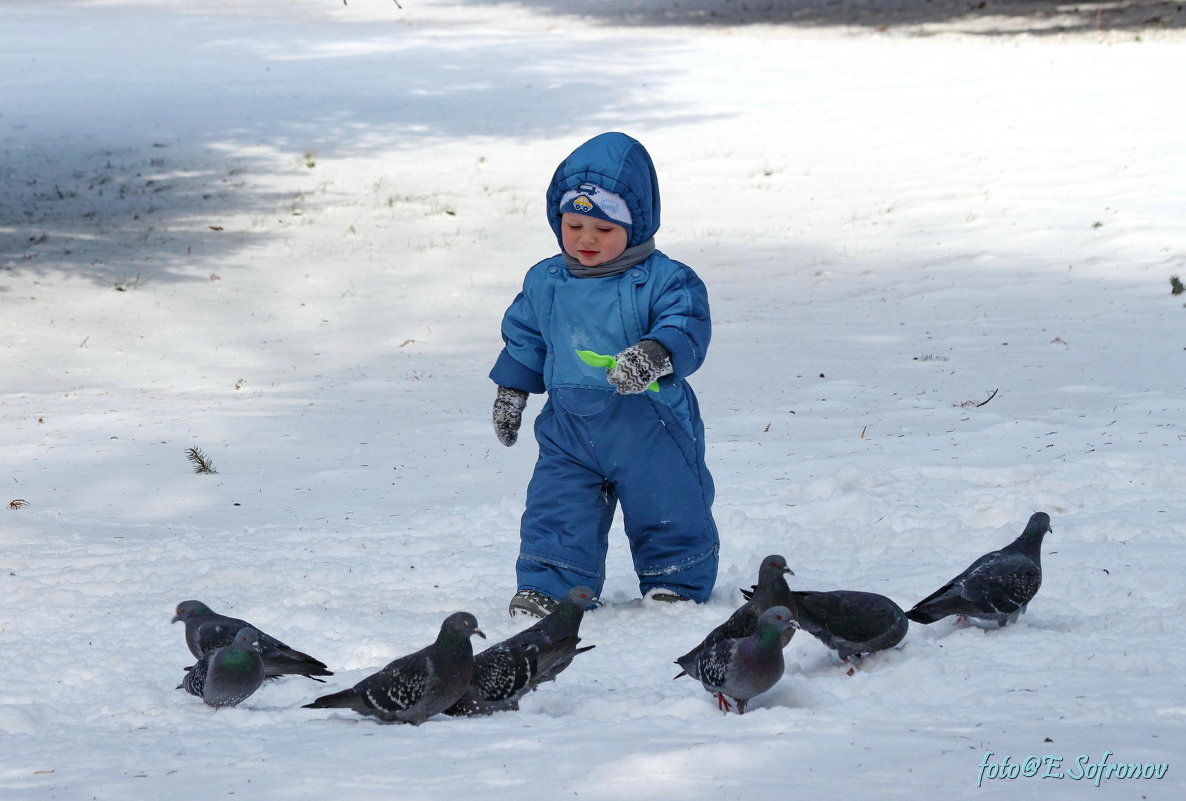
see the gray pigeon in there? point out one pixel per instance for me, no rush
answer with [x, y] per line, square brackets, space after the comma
[743, 668]
[997, 587]
[205, 629]
[415, 687]
[770, 591]
[508, 670]
[229, 674]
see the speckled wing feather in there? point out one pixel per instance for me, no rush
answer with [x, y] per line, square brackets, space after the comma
[712, 664]
[397, 688]
[996, 587]
[195, 676]
[502, 675]
[508, 670]
[742, 623]
[413, 688]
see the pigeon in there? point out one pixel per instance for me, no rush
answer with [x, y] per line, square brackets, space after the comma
[997, 587]
[741, 668]
[560, 628]
[770, 591]
[205, 629]
[415, 687]
[229, 674]
[851, 623]
[508, 670]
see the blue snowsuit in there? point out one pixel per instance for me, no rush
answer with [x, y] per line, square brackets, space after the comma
[596, 447]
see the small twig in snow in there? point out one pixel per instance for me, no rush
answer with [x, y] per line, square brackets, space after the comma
[978, 404]
[201, 462]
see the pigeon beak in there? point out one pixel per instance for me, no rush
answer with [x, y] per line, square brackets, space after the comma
[175, 619]
[788, 571]
[480, 633]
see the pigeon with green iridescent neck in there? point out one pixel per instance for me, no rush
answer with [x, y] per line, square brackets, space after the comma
[415, 687]
[229, 674]
[740, 669]
[205, 629]
[997, 587]
[769, 591]
[508, 670]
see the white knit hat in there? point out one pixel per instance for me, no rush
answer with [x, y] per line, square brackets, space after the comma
[593, 201]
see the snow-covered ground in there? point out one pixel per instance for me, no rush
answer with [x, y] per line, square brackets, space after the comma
[284, 233]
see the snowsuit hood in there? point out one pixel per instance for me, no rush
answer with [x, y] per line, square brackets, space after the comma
[619, 164]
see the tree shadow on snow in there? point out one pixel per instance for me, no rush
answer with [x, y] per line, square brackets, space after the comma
[979, 17]
[132, 138]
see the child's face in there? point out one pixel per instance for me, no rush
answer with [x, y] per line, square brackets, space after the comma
[591, 241]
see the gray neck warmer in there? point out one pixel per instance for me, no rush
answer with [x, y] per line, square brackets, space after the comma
[629, 258]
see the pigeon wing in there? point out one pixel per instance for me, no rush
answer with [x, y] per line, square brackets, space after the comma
[712, 664]
[504, 671]
[214, 632]
[195, 677]
[1003, 585]
[742, 623]
[397, 687]
[854, 616]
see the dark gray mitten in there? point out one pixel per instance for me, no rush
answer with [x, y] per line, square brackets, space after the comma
[508, 414]
[638, 366]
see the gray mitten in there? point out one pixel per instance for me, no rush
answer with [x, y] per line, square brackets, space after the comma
[638, 366]
[508, 414]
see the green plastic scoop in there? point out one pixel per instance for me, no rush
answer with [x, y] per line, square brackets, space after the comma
[608, 362]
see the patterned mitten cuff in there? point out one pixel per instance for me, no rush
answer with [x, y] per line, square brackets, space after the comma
[508, 414]
[638, 366]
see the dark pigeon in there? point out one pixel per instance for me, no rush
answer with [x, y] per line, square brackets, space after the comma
[205, 630]
[770, 591]
[415, 687]
[995, 588]
[508, 670]
[851, 623]
[741, 669]
[559, 629]
[229, 674]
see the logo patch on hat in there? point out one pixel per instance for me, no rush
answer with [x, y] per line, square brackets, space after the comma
[591, 199]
